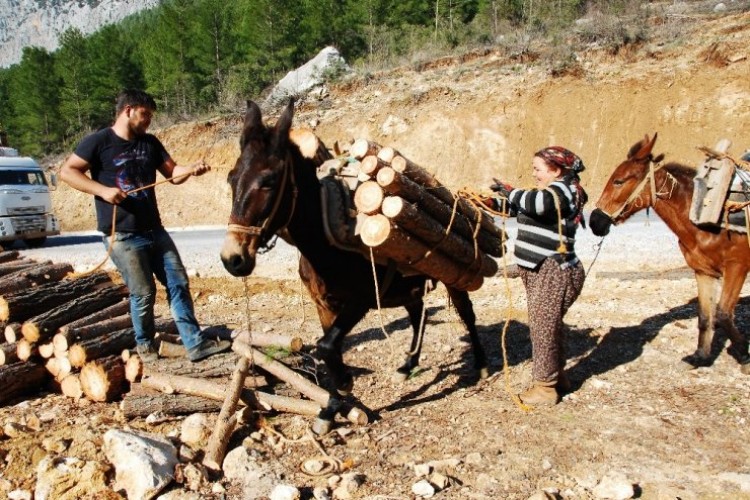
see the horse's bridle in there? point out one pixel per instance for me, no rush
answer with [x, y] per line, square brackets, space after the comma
[650, 178]
[287, 177]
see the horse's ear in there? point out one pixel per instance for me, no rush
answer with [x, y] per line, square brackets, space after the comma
[281, 132]
[646, 145]
[253, 125]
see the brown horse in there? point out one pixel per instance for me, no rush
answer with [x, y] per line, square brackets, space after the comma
[275, 190]
[715, 255]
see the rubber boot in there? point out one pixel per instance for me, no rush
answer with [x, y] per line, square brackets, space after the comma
[541, 393]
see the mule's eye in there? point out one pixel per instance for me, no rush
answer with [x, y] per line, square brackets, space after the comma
[618, 182]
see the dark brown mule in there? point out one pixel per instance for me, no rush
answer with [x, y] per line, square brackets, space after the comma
[715, 256]
[275, 188]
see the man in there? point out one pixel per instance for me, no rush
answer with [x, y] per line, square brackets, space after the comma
[123, 160]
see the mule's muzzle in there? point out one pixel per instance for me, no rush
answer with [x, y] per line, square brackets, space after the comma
[236, 258]
[599, 222]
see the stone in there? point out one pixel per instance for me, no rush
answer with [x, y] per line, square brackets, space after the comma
[321, 493]
[67, 478]
[195, 430]
[439, 481]
[422, 470]
[144, 463]
[423, 489]
[614, 486]
[240, 465]
[284, 492]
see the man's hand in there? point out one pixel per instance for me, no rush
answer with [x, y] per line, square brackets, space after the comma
[200, 168]
[112, 195]
[501, 187]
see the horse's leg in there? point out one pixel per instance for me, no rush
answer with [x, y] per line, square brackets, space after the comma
[415, 310]
[733, 280]
[329, 347]
[465, 309]
[706, 312]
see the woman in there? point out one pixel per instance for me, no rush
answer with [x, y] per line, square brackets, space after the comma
[552, 274]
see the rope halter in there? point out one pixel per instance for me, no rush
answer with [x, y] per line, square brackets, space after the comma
[650, 179]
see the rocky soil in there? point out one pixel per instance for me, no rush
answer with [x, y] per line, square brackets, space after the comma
[638, 423]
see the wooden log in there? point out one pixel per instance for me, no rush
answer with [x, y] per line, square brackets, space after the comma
[103, 380]
[42, 327]
[53, 366]
[118, 309]
[18, 265]
[109, 344]
[362, 148]
[399, 185]
[64, 368]
[387, 154]
[168, 337]
[46, 350]
[71, 386]
[8, 255]
[428, 230]
[217, 443]
[368, 197]
[12, 332]
[8, 354]
[309, 145]
[70, 335]
[220, 365]
[140, 404]
[389, 241]
[370, 165]
[170, 350]
[426, 179]
[33, 276]
[261, 339]
[22, 305]
[134, 369]
[19, 379]
[25, 350]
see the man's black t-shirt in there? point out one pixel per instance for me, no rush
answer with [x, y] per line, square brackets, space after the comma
[127, 165]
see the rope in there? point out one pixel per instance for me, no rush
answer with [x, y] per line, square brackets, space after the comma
[377, 293]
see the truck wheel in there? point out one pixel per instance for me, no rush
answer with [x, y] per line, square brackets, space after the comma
[35, 242]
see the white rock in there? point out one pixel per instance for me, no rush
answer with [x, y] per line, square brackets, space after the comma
[614, 486]
[422, 470]
[195, 430]
[179, 495]
[439, 481]
[67, 478]
[474, 458]
[218, 488]
[423, 489]
[321, 493]
[308, 76]
[741, 480]
[144, 463]
[19, 495]
[240, 465]
[284, 492]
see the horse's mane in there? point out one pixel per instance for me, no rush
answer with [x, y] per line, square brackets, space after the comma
[680, 170]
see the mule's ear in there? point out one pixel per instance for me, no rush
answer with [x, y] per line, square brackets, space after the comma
[281, 132]
[644, 151]
[253, 126]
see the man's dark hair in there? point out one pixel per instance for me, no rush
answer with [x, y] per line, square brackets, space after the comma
[135, 98]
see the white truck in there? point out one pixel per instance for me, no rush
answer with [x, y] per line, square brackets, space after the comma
[25, 202]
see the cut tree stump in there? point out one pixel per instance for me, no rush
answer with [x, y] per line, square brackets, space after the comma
[109, 344]
[34, 276]
[22, 305]
[103, 379]
[20, 379]
[140, 403]
[42, 327]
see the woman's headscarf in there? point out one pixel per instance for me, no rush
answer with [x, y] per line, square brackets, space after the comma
[572, 165]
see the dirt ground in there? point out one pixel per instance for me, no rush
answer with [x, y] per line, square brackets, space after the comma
[635, 409]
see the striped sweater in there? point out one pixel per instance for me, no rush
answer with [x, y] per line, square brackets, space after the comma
[538, 230]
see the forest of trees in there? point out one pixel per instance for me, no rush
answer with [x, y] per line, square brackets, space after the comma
[206, 56]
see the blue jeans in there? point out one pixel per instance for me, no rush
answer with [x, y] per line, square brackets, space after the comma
[141, 256]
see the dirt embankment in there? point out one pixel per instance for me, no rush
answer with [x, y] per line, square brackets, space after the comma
[471, 119]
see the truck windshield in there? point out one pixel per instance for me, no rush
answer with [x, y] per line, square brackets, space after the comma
[22, 177]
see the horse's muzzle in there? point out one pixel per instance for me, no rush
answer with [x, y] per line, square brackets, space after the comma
[599, 222]
[236, 258]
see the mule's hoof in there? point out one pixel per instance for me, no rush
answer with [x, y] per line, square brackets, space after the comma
[321, 426]
[399, 377]
[484, 373]
[694, 361]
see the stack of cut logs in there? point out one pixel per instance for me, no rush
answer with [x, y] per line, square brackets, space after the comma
[407, 215]
[55, 324]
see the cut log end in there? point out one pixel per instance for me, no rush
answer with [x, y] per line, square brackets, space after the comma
[71, 386]
[375, 230]
[103, 380]
[368, 197]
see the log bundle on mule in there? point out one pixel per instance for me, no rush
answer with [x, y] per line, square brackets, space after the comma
[408, 216]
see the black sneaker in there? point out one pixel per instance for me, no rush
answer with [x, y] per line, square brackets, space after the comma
[147, 352]
[208, 348]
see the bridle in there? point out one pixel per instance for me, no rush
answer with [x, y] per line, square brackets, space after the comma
[650, 178]
[259, 231]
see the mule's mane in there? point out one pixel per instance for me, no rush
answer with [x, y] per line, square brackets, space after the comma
[682, 172]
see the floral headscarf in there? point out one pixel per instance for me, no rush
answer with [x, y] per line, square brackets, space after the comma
[562, 158]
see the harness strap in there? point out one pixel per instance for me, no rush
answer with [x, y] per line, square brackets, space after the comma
[651, 179]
